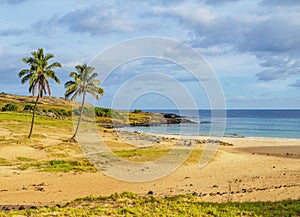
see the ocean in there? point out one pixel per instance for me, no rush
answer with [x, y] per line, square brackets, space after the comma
[239, 123]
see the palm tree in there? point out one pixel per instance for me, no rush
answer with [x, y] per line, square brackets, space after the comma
[37, 75]
[84, 82]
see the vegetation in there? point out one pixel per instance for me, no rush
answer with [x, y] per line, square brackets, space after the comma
[59, 112]
[63, 108]
[28, 107]
[103, 112]
[82, 165]
[10, 107]
[141, 155]
[37, 76]
[84, 82]
[130, 204]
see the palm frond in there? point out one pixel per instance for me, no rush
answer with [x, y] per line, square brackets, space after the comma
[26, 78]
[23, 72]
[92, 78]
[53, 65]
[48, 57]
[39, 71]
[69, 83]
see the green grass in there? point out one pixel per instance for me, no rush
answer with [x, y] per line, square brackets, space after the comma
[4, 162]
[130, 204]
[29, 165]
[142, 154]
[25, 159]
[82, 165]
[26, 118]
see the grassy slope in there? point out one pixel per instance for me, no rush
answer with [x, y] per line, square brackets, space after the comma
[60, 103]
[21, 101]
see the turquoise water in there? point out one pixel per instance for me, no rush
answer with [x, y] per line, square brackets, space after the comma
[239, 123]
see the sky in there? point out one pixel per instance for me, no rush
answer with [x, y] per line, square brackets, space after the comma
[251, 46]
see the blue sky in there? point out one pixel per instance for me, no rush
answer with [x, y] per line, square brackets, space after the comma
[252, 45]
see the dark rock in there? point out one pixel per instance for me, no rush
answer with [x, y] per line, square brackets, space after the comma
[41, 184]
[150, 192]
[215, 186]
[6, 208]
[195, 193]
[39, 189]
[21, 208]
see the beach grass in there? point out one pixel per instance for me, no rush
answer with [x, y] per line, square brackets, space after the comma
[130, 204]
[80, 165]
[142, 155]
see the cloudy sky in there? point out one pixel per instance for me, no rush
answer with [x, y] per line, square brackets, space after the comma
[252, 46]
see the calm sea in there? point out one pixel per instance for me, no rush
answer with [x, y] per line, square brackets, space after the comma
[239, 123]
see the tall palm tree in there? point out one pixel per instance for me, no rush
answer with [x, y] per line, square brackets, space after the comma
[37, 75]
[84, 82]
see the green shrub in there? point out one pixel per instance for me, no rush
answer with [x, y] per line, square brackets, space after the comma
[103, 112]
[137, 111]
[28, 107]
[86, 111]
[98, 111]
[59, 112]
[10, 107]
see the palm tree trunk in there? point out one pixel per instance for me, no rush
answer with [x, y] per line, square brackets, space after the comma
[33, 115]
[80, 116]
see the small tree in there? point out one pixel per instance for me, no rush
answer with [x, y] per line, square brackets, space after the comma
[84, 82]
[37, 75]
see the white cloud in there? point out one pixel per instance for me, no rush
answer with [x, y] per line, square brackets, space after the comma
[270, 34]
[96, 20]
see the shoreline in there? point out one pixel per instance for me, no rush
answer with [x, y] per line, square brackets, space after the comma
[207, 136]
[204, 135]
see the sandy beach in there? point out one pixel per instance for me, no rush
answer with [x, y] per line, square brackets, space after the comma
[250, 170]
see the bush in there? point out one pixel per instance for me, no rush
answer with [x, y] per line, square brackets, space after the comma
[137, 111]
[59, 112]
[103, 112]
[10, 107]
[98, 111]
[28, 107]
[86, 111]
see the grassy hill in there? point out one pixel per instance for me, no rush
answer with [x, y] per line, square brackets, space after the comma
[62, 109]
[46, 101]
